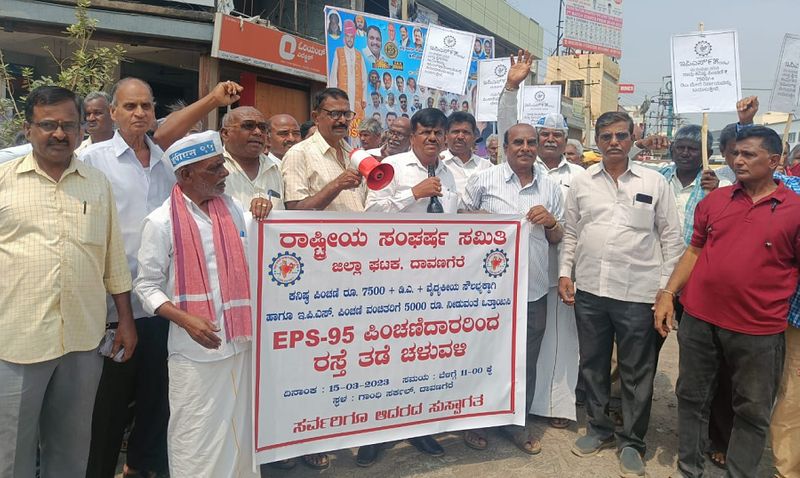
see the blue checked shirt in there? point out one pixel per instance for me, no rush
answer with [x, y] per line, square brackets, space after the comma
[793, 183]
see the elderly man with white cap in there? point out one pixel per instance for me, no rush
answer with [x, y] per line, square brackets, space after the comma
[193, 271]
[557, 368]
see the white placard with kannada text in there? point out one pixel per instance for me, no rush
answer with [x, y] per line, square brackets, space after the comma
[446, 59]
[785, 96]
[492, 76]
[372, 328]
[705, 72]
[536, 101]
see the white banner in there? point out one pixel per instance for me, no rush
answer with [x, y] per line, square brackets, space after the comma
[446, 59]
[536, 101]
[705, 72]
[785, 96]
[372, 328]
[492, 76]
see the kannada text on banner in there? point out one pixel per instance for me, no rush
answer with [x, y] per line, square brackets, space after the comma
[371, 329]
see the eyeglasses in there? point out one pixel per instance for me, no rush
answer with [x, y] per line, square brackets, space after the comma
[396, 134]
[250, 125]
[285, 132]
[52, 126]
[335, 115]
[621, 136]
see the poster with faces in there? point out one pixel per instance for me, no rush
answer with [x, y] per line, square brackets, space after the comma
[376, 60]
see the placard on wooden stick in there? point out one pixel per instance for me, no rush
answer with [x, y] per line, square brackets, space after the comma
[705, 75]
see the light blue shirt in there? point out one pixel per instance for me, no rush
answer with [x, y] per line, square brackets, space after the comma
[498, 190]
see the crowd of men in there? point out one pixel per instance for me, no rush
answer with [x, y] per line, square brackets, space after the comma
[126, 278]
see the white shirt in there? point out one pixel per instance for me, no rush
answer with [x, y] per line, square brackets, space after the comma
[82, 147]
[561, 175]
[239, 186]
[622, 248]
[463, 171]
[155, 283]
[15, 152]
[138, 191]
[498, 190]
[408, 172]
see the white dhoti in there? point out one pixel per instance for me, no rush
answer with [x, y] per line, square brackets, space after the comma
[557, 366]
[210, 421]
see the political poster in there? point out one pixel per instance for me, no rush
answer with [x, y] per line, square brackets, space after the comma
[376, 61]
[705, 72]
[594, 26]
[371, 328]
[536, 101]
[446, 59]
[785, 96]
[492, 76]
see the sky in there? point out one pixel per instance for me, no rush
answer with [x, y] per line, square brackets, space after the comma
[648, 25]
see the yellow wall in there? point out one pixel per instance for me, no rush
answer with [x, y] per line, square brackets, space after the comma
[603, 77]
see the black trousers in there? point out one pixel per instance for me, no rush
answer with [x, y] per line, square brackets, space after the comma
[720, 419]
[143, 379]
[601, 320]
[755, 363]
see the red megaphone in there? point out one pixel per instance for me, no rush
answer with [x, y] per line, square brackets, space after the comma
[378, 174]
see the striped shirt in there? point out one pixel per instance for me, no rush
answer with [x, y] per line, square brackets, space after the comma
[498, 190]
[793, 183]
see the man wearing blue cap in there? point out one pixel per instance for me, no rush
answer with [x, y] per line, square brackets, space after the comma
[193, 272]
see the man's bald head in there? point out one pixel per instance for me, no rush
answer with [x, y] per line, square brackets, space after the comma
[244, 133]
[127, 81]
[132, 108]
[399, 136]
[283, 133]
[235, 115]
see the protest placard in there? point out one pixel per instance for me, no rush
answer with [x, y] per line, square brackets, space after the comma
[705, 72]
[785, 96]
[536, 101]
[372, 328]
[491, 79]
[446, 59]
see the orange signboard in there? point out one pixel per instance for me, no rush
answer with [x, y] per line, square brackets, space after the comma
[238, 40]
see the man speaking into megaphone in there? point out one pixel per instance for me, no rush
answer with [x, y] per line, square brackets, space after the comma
[420, 178]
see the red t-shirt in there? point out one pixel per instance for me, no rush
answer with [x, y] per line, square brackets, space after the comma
[748, 267]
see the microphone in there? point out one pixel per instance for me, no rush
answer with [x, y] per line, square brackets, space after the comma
[434, 206]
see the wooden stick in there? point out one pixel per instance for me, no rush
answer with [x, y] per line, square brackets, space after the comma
[786, 129]
[704, 140]
[704, 129]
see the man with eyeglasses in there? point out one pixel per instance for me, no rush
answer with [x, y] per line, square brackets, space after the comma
[317, 172]
[398, 140]
[557, 375]
[141, 181]
[255, 178]
[622, 239]
[61, 252]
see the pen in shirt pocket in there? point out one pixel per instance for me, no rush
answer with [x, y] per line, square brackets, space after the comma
[84, 207]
